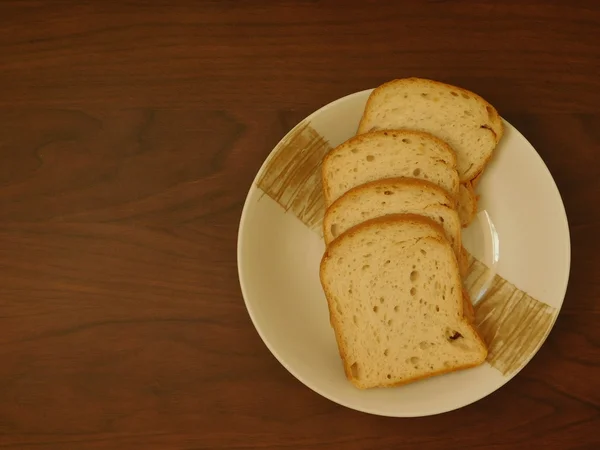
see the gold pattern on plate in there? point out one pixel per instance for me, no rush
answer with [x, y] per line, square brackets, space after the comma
[292, 176]
[512, 323]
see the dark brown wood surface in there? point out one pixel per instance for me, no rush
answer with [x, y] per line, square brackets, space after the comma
[130, 132]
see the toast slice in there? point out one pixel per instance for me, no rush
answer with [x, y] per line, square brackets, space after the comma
[393, 196]
[388, 154]
[396, 303]
[468, 123]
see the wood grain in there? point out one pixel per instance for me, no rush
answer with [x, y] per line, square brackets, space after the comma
[129, 135]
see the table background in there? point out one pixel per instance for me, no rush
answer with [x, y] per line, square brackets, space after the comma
[130, 132]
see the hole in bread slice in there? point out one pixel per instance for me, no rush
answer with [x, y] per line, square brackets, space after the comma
[334, 230]
[354, 371]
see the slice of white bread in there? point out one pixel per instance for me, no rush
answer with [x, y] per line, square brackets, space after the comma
[468, 123]
[466, 204]
[396, 303]
[393, 196]
[384, 154]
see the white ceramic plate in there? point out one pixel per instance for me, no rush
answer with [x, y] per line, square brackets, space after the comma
[278, 263]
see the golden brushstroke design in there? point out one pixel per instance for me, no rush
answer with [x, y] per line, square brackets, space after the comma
[292, 176]
[512, 323]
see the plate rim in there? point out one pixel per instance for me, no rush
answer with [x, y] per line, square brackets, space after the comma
[506, 379]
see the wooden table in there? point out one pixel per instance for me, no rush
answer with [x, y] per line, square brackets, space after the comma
[130, 133]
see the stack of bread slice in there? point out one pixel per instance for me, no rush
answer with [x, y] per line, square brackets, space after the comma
[468, 123]
[397, 195]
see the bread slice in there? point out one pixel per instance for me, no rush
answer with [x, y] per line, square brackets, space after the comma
[383, 154]
[469, 124]
[396, 303]
[393, 196]
[467, 204]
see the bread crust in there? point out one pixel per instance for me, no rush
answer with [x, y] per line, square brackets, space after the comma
[495, 118]
[472, 210]
[499, 133]
[467, 321]
[497, 128]
[405, 181]
[398, 181]
[357, 140]
[385, 219]
[342, 345]
[423, 377]
[401, 131]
